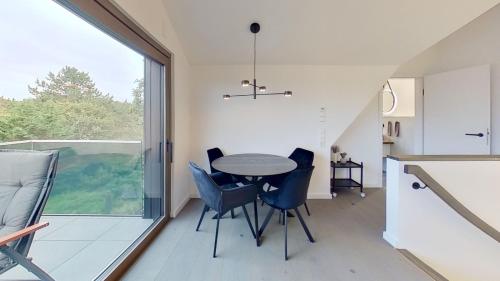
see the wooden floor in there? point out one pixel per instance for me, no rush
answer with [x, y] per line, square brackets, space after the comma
[349, 246]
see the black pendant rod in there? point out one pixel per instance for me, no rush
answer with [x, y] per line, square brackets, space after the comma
[255, 28]
[254, 63]
[254, 54]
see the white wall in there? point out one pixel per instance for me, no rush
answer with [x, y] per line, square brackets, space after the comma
[477, 43]
[419, 221]
[154, 19]
[277, 124]
[405, 143]
[362, 141]
[418, 121]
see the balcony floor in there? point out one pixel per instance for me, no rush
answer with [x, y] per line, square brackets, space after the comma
[79, 244]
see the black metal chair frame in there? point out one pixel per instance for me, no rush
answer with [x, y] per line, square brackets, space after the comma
[301, 182]
[219, 177]
[226, 200]
[219, 216]
[298, 167]
[284, 218]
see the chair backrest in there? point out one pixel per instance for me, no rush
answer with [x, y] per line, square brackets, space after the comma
[26, 179]
[293, 190]
[209, 191]
[214, 154]
[303, 157]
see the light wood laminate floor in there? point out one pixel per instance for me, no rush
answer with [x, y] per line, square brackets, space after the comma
[349, 246]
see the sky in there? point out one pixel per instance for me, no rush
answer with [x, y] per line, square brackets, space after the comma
[40, 36]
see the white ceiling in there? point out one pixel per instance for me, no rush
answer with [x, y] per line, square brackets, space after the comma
[341, 32]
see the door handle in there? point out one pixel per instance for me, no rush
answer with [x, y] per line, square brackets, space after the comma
[476, 135]
[160, 152]
[170, 150]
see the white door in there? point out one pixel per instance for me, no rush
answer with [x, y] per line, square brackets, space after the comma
[457, 112]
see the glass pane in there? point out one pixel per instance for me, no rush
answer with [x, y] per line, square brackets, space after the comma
[66, 85]
[153, 170]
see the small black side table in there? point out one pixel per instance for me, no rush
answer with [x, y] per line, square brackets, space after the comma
[346, 182]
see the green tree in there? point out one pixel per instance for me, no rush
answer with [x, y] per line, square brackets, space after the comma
[68, 105]
[69, 83]
[138, 106]
[138, 96]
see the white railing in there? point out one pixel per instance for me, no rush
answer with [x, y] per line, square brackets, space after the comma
[130, 147]
[458, 247]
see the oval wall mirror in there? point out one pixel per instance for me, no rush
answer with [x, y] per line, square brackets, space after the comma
[389, 99]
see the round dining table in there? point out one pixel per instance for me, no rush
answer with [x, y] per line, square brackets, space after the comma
[254, 165]
[253, 168]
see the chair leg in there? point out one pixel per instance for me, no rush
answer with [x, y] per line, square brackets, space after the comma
[266, 220]
[285, 218]
[256, 215]
[216, 234]
[307, 209]
[268, 188]
[232, 213]
[26, 263]
[302, 222]
[205, 209]
[248, 220]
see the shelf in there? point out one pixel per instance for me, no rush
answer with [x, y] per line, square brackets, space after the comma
[344, 183]
[349, 164]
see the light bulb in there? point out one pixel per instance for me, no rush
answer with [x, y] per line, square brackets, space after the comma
[245, 83]
[262, 88]
[226, 97]
[287, 93]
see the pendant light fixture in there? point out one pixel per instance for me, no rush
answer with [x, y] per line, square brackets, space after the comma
[257, 90]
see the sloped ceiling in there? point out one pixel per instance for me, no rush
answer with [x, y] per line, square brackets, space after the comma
[335, 32]
[474, 44]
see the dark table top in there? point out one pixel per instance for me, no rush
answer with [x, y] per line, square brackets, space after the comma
[254, 164]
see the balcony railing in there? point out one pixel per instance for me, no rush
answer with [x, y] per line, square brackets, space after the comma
[95, 210]
[94, 177]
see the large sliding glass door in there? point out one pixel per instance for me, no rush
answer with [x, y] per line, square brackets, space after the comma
[154, 143]
[67, 83]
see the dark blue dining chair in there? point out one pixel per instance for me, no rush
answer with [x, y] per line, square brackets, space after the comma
[214, 154]
[221, 178]
[304, 159]
[223, 200]
[291, 193]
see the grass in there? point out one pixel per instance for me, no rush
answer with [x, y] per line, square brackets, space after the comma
[100, 184]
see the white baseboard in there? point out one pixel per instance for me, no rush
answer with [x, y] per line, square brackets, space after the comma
[391, 239]
[181, 206]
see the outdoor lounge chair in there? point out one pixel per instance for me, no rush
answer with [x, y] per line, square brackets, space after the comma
[26, 179]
